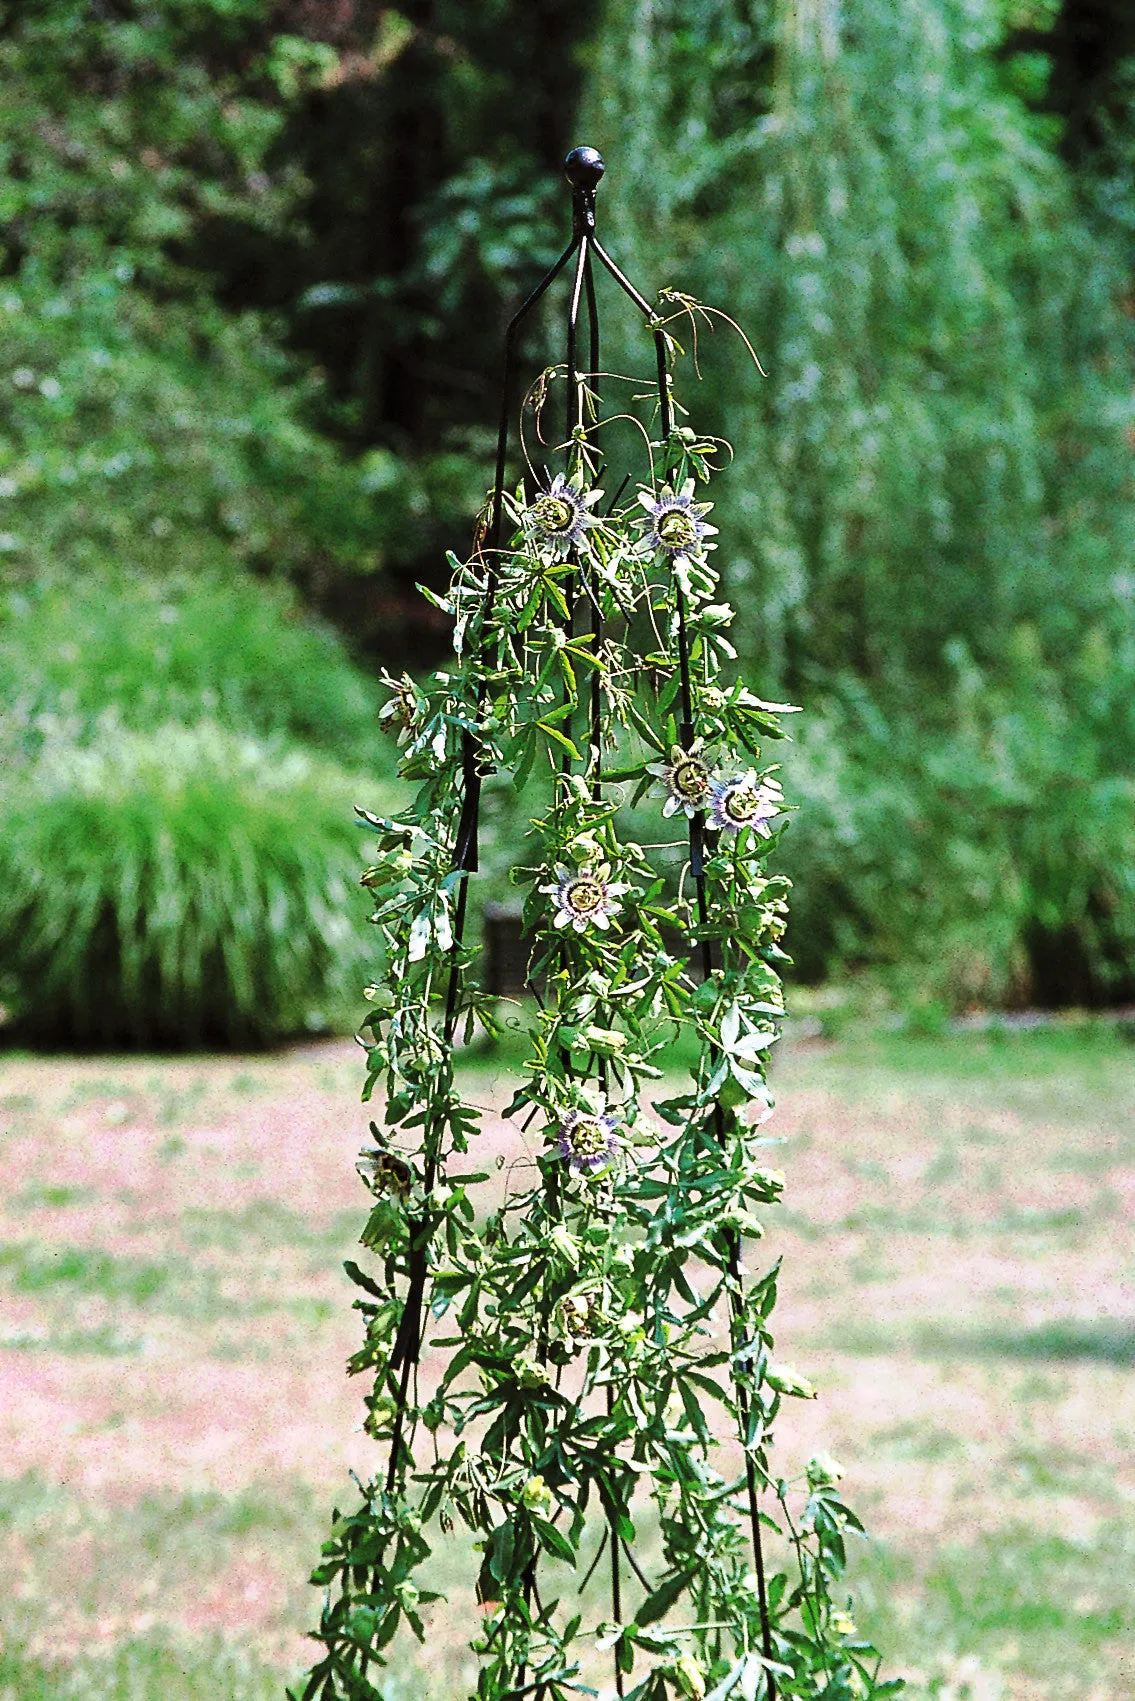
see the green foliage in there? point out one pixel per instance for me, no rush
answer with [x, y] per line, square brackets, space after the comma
[176, 862]
[139, 419]
[197, 193]
[598, 1325]
[939, 450]
[191, 885]
[147, 432]
[149, 649]
[985, 853]
[939, 457]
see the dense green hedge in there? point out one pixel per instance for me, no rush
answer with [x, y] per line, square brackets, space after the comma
[183, 647]
[178, 858]
[983, 852]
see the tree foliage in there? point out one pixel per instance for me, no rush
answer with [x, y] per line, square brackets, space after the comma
[141, 421]
[940, 448]
[256, 257]
[939, 462]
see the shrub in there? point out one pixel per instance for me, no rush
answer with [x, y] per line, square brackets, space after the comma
[182, 648]
[186, 886]
[983, 851]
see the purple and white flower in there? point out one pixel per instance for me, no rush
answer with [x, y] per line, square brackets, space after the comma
[744, 801]
[586, 1139]
[560, 516]
[687, 780]
[585, 897]
[677, 526]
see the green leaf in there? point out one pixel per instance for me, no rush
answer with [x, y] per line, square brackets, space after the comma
[554, 1540]
[501, 1549]
[362, 1280]
[658, 1604]
[559, 738]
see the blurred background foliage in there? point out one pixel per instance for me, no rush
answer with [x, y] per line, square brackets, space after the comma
[256, 261]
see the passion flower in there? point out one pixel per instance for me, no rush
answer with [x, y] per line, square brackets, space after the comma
[585, 897]
[586, 1140]
[744, 801]
[559, 517]
[677, 527]
[687, 781]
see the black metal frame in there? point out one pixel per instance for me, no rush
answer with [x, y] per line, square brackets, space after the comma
[584, 168]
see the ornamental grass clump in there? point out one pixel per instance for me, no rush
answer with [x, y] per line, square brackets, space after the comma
[601, 1388]
[182, 887]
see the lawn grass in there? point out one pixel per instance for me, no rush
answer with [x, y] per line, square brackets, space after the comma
[175, 1424]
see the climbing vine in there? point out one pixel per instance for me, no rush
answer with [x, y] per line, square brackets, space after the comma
[601, 1387]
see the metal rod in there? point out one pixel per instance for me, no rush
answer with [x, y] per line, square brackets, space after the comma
[573, 410]
[593, 584]
[574, 400]
[616, 1580]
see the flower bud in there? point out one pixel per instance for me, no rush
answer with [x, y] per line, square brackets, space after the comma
[530, 1374]
[690, 1676]
[564, 1244]
[785, 1380]
[537, 1497]
[823, 1469]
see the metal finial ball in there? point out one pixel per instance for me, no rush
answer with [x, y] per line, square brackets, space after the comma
[584, 167]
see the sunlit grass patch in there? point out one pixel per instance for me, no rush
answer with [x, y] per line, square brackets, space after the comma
[194, 1292]
[246, 1083]
[142, 1670]
[1044, 1605]
[1106, 1340]
[269, 1222]
[158, 1525]
[49, 1197]
[17, 1102]
[107, 1341]
[85, 1270]
[86, 1092]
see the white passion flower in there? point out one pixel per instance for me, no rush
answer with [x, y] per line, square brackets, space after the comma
[744, 801]
[559, 517]
[585, 897]
[686, 780]
[676, 524]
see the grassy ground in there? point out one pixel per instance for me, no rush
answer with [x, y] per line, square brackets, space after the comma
[174, 1421]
